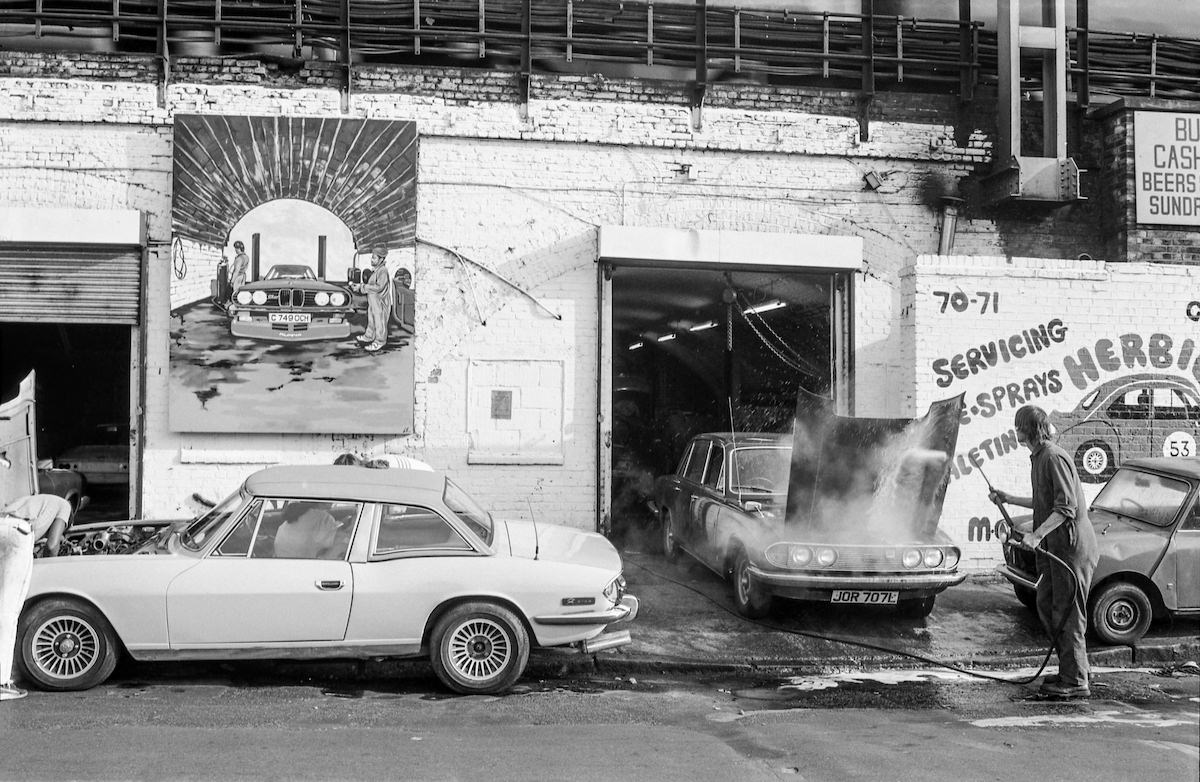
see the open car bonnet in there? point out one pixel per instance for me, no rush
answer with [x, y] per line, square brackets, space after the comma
[878, 479]
[18, 444]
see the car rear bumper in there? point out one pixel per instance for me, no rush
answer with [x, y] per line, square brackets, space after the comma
[624, 611]
[1016, 577]
[819, 586]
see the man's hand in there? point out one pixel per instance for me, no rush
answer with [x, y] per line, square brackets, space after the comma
[1030, 541]
[997, 496]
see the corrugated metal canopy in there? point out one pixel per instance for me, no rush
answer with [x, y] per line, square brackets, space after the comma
[55, 283]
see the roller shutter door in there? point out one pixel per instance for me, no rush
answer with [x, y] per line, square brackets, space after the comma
[79, 283]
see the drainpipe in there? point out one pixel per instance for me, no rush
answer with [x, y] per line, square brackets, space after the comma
[950, 205]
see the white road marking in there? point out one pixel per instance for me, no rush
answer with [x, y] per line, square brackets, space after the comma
[1145, 719]
[903, 675]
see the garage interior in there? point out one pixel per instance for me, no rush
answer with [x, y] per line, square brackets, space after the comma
[700, 350]
[82, 393]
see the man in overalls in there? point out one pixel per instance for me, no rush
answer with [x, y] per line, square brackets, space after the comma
[379, 301]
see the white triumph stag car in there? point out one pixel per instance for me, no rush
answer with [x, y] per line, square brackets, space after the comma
[331, 562]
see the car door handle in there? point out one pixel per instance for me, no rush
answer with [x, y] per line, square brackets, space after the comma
[329, 586]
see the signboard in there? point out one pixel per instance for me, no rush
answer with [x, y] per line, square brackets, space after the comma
[1166, 154]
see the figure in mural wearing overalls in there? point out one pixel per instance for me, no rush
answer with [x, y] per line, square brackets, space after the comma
[379, 301]
[241, 266]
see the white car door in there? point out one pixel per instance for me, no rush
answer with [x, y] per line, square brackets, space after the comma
[416, 561]
[240, 593]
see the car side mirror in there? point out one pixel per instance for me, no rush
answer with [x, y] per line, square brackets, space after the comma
[752, 506]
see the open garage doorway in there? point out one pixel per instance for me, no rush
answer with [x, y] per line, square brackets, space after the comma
[83, 403]
[702, 349]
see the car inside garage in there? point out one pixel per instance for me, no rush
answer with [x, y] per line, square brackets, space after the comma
[82, 374]
[707, 349]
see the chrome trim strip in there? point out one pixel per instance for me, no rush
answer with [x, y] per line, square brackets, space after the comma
[265, 652]
[897, 581]
[624, 611]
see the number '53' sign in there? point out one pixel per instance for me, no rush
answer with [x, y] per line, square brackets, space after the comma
[1179, 444]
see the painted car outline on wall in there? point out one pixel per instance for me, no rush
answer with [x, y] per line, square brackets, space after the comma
[1120, 420]
[291, 304]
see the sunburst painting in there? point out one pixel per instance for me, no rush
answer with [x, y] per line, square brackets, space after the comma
[292, 295]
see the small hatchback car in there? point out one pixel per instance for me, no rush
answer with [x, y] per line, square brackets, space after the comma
[1147, 524]
[310, 562]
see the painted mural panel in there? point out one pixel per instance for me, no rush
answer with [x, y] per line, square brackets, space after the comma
[1110, 351]
[292, 296]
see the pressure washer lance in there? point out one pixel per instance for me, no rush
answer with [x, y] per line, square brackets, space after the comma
[1000, 505]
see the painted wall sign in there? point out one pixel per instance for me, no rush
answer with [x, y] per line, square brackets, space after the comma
[292, 295]
[1166, 154]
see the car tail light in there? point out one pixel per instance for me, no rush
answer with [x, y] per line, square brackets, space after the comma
[933, 557]
[911, 558]
[826, 557]
[615, 589]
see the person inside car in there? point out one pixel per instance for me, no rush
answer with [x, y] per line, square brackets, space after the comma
[308, 531]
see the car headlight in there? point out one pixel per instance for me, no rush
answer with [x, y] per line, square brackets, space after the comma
[322, 298]
[911, 558]
[337, 299]
[932, 557]
[259, 297]
[799, 556]
[826, 557]
[615, 589]
[952, 557]
[243, 297]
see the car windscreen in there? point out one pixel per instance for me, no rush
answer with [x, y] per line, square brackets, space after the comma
[200, 531]
[1154, 499]
[469, 511]
[764, 470]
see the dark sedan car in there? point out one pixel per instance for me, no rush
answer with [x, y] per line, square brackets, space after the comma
[291, 304]
[725, 505]
[1147, 522]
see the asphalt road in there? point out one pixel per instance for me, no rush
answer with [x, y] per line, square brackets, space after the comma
[314, 722]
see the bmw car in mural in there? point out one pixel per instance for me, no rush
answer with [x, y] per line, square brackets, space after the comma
[845, 510]
[1135, 415]
[1147, 524]
[311, 562]
[291, 304]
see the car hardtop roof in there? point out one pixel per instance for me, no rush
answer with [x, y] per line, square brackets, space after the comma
[1186, 466]
[1143, 378]
[347, 482]
[750, 438]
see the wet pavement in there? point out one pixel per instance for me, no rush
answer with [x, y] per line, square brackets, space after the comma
[688, 622]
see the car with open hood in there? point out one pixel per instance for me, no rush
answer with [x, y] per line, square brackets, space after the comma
[21, 472]
[312, 562]
[843, 510]
[291, 304]
[1147, 523]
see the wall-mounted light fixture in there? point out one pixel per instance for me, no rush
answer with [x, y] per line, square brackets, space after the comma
[712, 324]
[761, 308]
[667, 337]
[873, 180]
[637, 345]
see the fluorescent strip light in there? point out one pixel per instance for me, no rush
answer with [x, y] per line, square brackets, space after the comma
[637, 345]
[666, 337]
[712, 324]
[771, 305]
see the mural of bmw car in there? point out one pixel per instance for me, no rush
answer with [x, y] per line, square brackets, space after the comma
[291, 304]
[1127, 417]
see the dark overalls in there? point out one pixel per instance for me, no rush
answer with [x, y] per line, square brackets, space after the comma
[1056, 487]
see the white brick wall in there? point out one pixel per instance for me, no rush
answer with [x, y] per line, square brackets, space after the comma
[524, 199]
